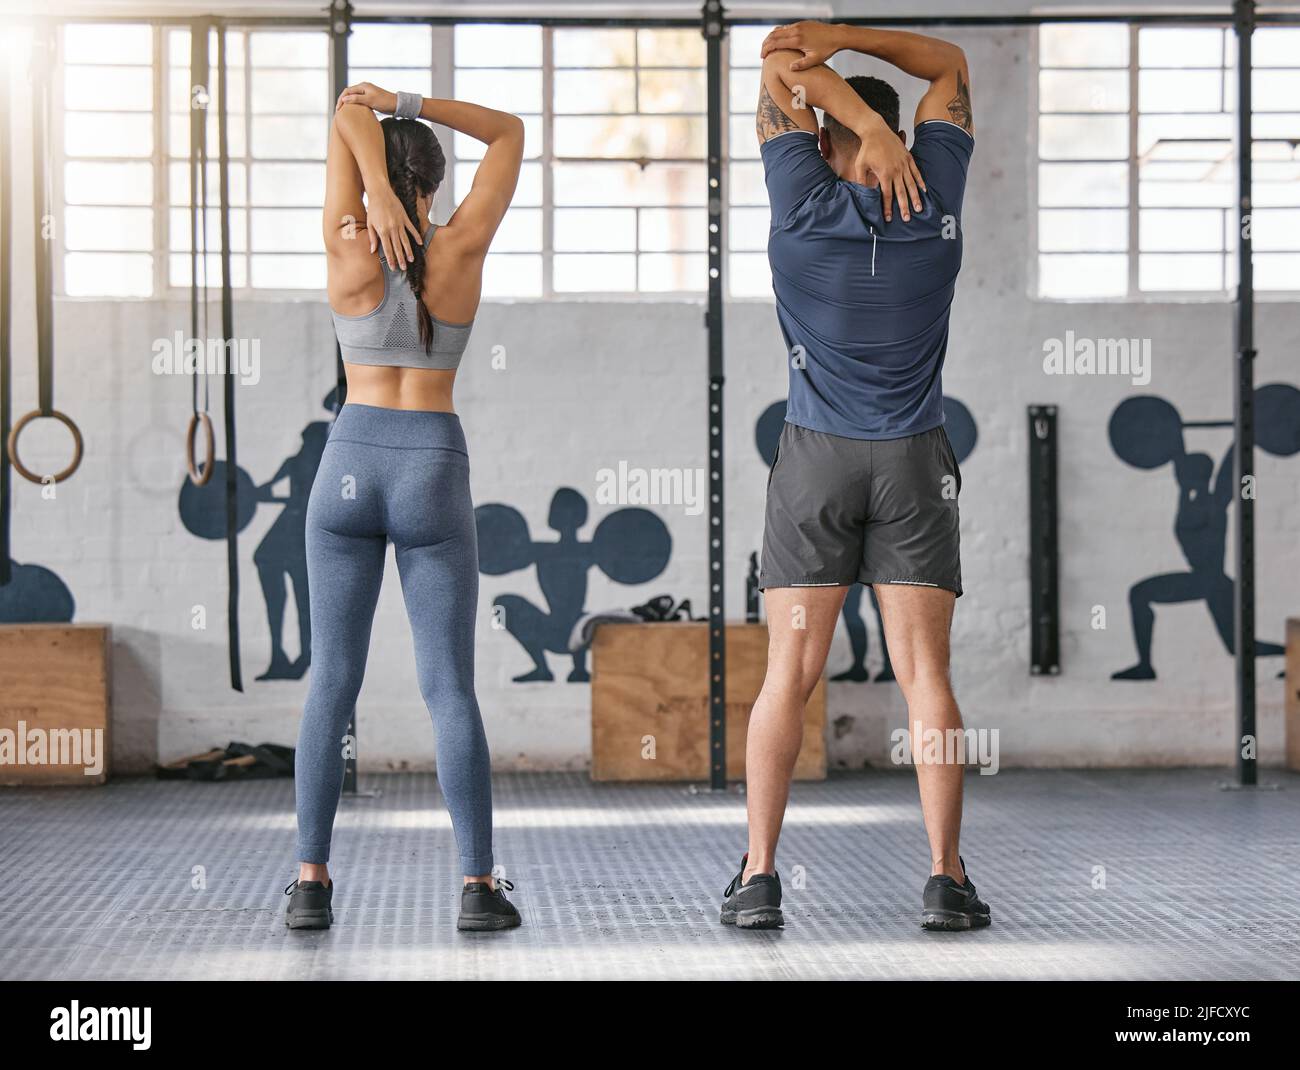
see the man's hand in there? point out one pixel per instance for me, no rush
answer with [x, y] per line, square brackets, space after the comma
[882, 152]
[818, 41]
[388, 224]
[374, 98]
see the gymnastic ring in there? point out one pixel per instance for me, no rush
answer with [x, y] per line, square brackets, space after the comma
[199, 478]
[17, 429]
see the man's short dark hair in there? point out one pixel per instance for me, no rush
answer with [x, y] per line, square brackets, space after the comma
[879, 96]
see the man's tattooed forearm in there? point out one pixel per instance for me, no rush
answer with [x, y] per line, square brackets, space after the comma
[771, 120]
[959, 106]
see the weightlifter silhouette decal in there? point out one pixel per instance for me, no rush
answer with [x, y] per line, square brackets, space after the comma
[629, 546]
[1147, 432]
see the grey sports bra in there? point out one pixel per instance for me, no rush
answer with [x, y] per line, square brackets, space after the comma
[390, 335]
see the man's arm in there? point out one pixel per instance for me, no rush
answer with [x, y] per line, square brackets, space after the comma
[941, 63]
[779, 111]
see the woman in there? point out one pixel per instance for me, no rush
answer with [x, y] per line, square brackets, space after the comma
[403, 294]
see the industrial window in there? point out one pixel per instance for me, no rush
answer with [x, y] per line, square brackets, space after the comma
[611, 198]
[1136, 161]
[105, 100]
[748, 217]
[278, 125]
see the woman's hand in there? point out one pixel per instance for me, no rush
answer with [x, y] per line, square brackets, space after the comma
[380, 100]
[883, 154]
[818, 41]
[390, 226]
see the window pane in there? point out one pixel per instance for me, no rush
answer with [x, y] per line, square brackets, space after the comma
[749, 275]
[747, 228]
[277, 92]
[595, 230]
[109, 229]
[108, 183]
[1194, 271]
[746, 43]
[179, 184]
[1180, 91]
[513, 91]
[579, 92]
[670, 48]
[107, 134]
[1070, 185]
[1082, 230]
[1276, 229]
[631, 137]
[628, 184]
[595, 273]
[276, 137]
[592, 48]
[282, 49]
[527, 194]
[673, 229]
[1180, 47]
[179, 230]
[1081, 276]
[1100, 91]
[673, 272]
[178, 271]
[466, 148]
[1163, 230]
[108, 88]
[1277, 271]
[498, 46]
[673, 91]
[1076, 44]
[288, 184]
[287, 272]
[1083, 137]
[390, 46]
[284, 230]
[1276, 90]
[108, 274]
[512, 275]
[742, 143]
[93, 43]
[746, 184]
[520, 231]
[1275, 46]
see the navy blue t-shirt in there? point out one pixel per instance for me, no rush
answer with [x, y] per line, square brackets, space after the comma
[864, 304]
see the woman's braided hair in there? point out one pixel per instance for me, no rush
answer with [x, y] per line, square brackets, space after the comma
[416, 166]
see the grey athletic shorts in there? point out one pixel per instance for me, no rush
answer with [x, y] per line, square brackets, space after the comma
[842, 511]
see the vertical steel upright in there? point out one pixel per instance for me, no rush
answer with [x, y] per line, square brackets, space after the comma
[715, 30]
[1243, 610]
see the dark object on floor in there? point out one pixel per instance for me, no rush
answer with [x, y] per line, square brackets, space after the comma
[238, 761]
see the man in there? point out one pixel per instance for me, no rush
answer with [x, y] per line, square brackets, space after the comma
[865, 246]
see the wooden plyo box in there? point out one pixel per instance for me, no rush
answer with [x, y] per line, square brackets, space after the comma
[652, 680]
[54, 704]
[1293, 693]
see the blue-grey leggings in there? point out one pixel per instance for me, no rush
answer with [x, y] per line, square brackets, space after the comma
[400, 476]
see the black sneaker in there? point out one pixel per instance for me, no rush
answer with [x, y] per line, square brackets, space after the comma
[486, 909]
[309, 905]
[949, 906]
[753, 903]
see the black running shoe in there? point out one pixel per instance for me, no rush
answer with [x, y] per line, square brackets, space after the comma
[486, 909]
[949, 906]
[753, 903]
[309, 905]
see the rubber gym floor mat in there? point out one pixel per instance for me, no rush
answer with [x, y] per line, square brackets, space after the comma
[1141, 875]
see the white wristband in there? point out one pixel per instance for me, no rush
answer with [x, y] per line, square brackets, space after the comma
[408, 105]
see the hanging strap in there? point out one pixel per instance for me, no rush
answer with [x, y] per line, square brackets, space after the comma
[200, 74]
[44, 281]
[6, 286]
[227, 333]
